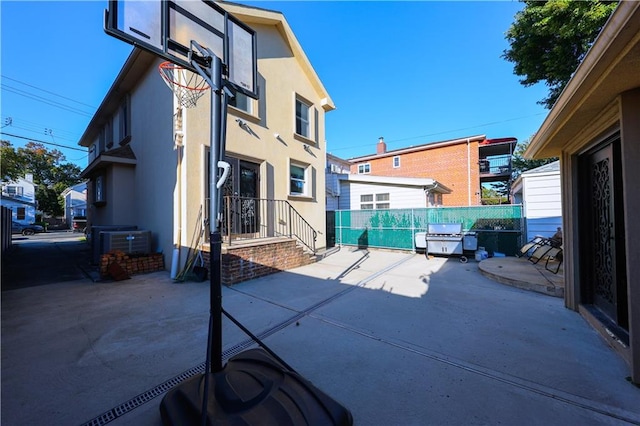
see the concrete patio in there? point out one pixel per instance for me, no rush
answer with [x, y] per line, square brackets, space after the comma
[397, 338]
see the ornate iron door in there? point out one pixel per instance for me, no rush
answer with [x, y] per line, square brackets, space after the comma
[603, 252]
[241, 192]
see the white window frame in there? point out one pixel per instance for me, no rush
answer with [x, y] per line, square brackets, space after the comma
[14, 190]
[302, 125]
[304, 180]
[386, 201]
[364, 168]
[396, 162]
[366, 201]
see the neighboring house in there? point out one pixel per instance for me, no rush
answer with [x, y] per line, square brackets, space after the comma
[463, 164]
[538, 190]
[20, 197]
[594, 128]
[148, 157]
[366, 192]
[75, 201]
[335, 167]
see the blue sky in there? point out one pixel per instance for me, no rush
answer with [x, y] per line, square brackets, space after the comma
[412, 72]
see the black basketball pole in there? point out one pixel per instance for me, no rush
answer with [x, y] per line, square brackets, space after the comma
[215, 236]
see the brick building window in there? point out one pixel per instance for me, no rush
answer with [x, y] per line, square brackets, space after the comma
[364, 168]
[396, 162]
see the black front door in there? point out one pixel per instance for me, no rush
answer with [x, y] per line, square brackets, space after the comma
[601, 230]
[241, 192]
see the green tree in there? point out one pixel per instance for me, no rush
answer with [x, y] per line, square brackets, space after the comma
[50, 175]
[11, 165]
[549, 39]
[520, 164]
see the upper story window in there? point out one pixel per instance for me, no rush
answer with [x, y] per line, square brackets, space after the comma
[364, 168]
[242, 102]
[396, 162]
[303, 125]
[15, 191]
[124, 120]
[108, 134]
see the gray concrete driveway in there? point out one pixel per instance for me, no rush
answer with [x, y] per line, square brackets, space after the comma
[397, 339]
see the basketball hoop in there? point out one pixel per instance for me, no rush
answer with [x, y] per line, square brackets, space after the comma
[186, 85]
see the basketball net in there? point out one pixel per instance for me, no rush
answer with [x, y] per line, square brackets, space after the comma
[187, 86]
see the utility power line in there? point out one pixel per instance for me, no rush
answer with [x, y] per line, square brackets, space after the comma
[44, 142]
[47, 91]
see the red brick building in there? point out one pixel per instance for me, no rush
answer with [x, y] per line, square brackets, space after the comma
[463, 165]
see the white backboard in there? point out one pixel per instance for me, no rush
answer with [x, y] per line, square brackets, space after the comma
[167, 28]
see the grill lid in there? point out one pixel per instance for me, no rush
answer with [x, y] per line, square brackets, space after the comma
[444, 228]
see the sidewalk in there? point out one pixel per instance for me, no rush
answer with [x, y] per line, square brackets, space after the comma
[396, 338]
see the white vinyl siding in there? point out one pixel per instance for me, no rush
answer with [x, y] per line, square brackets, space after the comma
[542, 201]
[400, 197]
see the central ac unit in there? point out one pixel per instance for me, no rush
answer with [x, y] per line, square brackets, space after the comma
[130, 242]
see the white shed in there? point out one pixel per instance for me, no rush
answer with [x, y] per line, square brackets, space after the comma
[365, 192]
[538, 190]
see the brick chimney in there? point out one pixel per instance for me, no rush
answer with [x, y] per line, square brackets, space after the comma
[381, 148]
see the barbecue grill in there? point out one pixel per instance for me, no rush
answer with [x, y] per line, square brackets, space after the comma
[448, 239]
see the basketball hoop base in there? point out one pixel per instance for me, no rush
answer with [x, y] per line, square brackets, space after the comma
[253, 388]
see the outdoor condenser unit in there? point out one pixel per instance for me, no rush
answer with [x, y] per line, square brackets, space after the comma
[130, 242]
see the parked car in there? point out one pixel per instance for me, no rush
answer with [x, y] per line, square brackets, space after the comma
[79, 224]
[19, 228]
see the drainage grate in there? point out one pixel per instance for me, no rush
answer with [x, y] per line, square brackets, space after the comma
[143, 398]
[147, 396]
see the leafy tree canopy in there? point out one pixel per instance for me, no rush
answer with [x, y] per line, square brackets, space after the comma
[11, 164]
[51, 174]
[520, 164]
[549, 39]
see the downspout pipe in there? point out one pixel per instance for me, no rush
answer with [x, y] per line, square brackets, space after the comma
[469, 171]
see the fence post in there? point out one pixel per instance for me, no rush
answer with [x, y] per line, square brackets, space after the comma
[413, 232]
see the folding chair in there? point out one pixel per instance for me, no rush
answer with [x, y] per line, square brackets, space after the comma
[554, 254]
[533, 244]
[540, 252]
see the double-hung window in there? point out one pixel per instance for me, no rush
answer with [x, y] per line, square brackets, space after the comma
[297, 179]
[385, 201]
[364, 168]
[124, 121]
[303, 124]
[242, 102]
[366, 202]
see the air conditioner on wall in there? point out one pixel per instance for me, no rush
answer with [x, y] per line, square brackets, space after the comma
[130, 242]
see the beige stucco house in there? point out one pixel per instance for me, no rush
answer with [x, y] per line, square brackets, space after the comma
[148, 163]
[594, 128]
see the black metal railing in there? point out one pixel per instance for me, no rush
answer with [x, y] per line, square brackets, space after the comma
[252, 218]
[497, 165]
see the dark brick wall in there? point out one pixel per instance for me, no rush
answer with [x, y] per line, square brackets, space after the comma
[243, 263]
